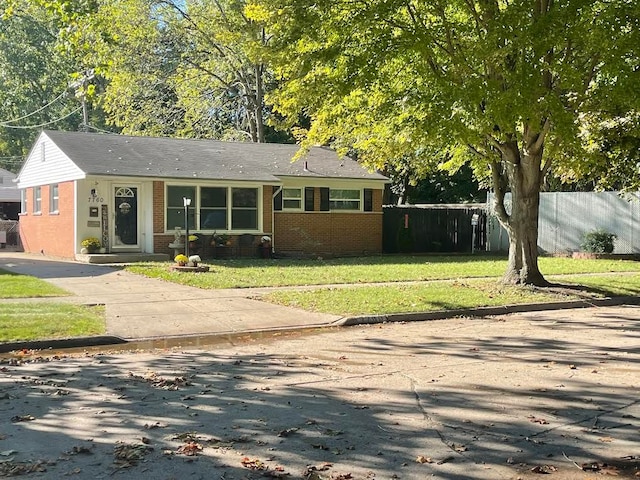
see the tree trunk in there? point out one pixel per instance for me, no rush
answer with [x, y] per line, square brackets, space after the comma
[259, 103]
[523, 175]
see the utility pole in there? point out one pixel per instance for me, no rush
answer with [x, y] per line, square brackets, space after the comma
[80, 87]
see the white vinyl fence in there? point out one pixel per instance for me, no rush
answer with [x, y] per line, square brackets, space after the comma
[566, 216]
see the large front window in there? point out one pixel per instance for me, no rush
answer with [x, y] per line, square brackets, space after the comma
[213, 208]
[344, 199]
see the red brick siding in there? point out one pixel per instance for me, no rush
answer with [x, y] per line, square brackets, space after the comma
[51, 234]
[267, 208]
[328, 233]
[158, 207]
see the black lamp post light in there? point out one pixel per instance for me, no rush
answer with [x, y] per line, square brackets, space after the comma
[187, 202]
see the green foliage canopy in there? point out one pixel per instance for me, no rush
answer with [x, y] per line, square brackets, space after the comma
[503, 85]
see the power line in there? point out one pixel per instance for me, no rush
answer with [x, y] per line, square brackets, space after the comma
[34, 112]
[43, 124]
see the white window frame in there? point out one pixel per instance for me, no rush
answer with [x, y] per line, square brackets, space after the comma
[54, 198]
[37, 200]
[338, 199]
[23, 202]
[195, 208]
[299, 198]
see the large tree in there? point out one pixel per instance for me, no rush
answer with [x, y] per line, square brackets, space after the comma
[178, 68]
[34, 80]
[504, 84]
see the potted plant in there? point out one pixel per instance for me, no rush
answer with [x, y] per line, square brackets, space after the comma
[91, 244]
[220, 240]
[181, 260]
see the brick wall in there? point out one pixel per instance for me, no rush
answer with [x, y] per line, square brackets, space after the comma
[50, 233]
[329, 233]
[158, 207]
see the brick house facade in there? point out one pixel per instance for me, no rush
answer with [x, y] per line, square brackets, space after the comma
[129, 191]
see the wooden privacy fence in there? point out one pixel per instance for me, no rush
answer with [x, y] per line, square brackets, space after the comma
[434, 228]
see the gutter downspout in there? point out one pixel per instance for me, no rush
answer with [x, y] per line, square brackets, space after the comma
[273, 219]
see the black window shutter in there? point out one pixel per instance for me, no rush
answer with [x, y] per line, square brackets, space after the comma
[308, 199]
[324, 199]
[277, 200]
[368, 200]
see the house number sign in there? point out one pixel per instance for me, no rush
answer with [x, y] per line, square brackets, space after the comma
[95, 199]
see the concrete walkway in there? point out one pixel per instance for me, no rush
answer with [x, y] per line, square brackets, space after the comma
[144, 308]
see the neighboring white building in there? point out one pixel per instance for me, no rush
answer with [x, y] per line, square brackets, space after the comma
[9, 195]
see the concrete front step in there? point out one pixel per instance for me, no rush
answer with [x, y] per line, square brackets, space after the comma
[121, 257]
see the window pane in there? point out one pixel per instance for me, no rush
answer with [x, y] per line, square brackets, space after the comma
[245, 197]
[175, 195]
[244, 219]
[37, 197]
[213, 219]
[291, 193]
[175, 218]
[53, 202]
[213, 197]
[344, 205]
[344, 200]
[291, 204]
[345, 194]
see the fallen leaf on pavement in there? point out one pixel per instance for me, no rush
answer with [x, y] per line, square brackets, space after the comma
[22, 418]
[544, 469]
[541, 421]
[190, 449]
[423, 459]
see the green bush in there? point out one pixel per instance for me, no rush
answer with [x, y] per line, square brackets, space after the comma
[598, 241]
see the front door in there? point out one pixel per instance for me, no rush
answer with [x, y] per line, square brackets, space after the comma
[126, 218]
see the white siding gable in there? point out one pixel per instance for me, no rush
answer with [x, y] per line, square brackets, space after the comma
[47, 164]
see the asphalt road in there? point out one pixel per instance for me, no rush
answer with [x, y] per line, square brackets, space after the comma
[487, 398]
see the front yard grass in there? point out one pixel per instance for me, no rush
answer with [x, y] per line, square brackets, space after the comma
[278, 273]
[14, 285]
[454, 282]
[24, 321]
[42, 320]
[406, 298]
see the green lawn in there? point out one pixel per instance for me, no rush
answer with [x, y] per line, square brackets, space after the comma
[437, 295]
[455, 282]
[25, 321]
[13, 285]
[277, 273]
[37, 321]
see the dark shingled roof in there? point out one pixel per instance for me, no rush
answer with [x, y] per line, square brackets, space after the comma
[106, 154]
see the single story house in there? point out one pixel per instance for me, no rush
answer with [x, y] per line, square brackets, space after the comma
[129, 192]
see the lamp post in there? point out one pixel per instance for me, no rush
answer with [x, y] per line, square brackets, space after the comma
[187, 202]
